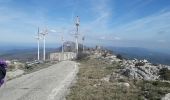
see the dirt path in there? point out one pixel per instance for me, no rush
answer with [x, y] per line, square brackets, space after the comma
[47, 84]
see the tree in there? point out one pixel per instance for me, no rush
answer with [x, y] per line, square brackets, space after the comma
[119, 56]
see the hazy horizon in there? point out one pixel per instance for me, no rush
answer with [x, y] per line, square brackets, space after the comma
[34, 46]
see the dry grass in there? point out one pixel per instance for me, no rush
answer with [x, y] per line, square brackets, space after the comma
[37, 67]
[89, 85]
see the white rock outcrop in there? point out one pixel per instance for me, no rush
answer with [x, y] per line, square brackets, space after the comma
[166, 97]
[136, 69]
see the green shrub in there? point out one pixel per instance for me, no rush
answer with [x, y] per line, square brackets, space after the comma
[81, 56]
[164, 74]
[140, 64]
[104, 55]
[121, 80]
[11, 67]
[119, 56]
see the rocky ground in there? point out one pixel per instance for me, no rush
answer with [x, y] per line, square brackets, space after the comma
[135, 69]
[16, 68]
[105, 76]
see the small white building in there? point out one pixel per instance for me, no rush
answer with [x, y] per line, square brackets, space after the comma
[62, 56]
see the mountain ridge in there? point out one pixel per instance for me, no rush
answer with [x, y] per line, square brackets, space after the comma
[142, 53]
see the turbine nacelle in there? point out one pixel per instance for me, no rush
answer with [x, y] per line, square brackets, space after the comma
[45, 32]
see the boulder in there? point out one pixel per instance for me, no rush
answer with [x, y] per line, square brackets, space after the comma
[166, 97]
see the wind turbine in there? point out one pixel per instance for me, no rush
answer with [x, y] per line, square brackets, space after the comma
[38, 44]
[44, 33]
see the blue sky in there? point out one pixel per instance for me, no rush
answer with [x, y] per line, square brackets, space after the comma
[130, 23]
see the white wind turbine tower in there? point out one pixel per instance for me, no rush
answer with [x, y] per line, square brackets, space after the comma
[38, 44]
[77, 32]
[44, 33]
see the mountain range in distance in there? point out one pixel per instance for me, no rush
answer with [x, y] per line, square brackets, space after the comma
[24, 55]
[30, 53]
[152, 56]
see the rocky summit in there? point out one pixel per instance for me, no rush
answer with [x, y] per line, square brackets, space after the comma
[134, 69]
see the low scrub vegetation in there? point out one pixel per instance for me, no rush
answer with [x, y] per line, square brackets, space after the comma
[16, 65]
[93, 83]
[119, 56]
[35, 67]
[140, 64]
[81, 56]
[153, 90]
[164, 74]
[90, 85]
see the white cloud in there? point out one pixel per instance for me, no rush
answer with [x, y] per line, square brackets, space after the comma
[146, 27]
[162, 41]
[101, 11]
[52, 30]
[110, 38]
[116, 38]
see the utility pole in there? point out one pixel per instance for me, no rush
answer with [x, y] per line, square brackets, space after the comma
[83, 38]
[44, 34]
[77, 23]
[62, 39]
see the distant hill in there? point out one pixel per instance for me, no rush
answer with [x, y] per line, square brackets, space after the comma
[24, 54]
[142, 53]
[69, 46]
[30, 54]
